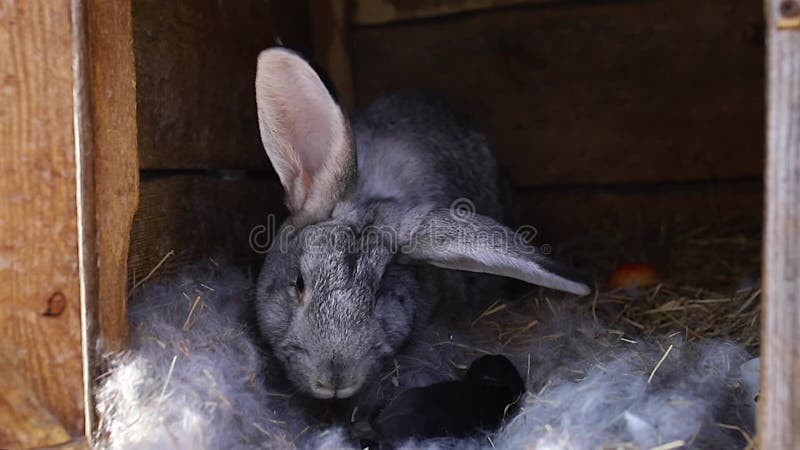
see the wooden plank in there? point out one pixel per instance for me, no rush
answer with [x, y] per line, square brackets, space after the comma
[105, 117]
[330, 28]
[591, 92]
[24, 422]
[197, 217]
[637, 212]
[195, 72]
[779, 407]
[115, 158]
[40, 311]
[375, 12]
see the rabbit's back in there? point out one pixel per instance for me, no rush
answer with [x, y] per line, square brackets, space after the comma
[415, 148]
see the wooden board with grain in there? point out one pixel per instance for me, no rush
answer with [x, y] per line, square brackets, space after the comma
[24, 421]
[637, 211]
[779, 406]
[590, 92]
[195, 72]
[114, 155]
[200, 216]
[40, 311]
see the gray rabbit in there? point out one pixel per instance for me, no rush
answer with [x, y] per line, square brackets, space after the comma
[360, 263]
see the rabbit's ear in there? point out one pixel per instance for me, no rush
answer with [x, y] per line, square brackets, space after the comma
[480, 244]
[305, 134]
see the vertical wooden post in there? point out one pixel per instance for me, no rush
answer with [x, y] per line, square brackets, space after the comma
[40, 291]
[107, 168]
[114, 158]
[779, 409]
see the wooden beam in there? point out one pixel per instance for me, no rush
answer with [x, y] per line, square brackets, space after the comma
[114, 158]
[779, 409]
[638, 212]
[107, 175]
[40, 288]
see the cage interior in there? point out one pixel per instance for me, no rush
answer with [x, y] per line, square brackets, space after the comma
[633, 133]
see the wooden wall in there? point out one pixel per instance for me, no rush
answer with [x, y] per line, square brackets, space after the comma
[194, 216]
[205, 177]
[195, 71]
[639, 113]
[590, 92]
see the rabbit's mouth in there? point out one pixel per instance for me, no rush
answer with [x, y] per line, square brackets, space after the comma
[324, 391]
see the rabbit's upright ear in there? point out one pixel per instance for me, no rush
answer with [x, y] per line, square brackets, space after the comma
[480, 244]
[305, 134]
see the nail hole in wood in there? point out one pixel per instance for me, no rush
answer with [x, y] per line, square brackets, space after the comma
[56, 305]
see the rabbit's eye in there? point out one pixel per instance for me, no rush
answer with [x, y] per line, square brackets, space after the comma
[299, 284]
[378, 348]
[296, 349]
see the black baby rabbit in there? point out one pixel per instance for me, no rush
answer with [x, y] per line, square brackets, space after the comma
[488, 393]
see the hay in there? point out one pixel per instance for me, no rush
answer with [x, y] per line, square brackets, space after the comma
[695, 312]
[710, 280]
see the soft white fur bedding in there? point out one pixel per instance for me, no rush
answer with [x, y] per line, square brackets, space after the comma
[195, 378]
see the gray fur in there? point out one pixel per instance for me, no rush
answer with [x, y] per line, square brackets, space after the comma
[415, 159]
[415, 150]
[218, 378]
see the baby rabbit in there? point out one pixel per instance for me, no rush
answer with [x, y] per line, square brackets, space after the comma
[374, 211]
[487, 394]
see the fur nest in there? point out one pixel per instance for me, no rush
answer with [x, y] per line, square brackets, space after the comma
[664, 367]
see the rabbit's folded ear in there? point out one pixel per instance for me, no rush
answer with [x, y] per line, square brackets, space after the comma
[305, 134]
[480, 244]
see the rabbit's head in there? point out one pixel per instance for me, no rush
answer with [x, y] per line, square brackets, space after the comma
[329, 309]
[332, 301]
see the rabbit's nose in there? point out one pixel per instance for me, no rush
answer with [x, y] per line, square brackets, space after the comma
[343, 391]
[322, 390]
[345, 382]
